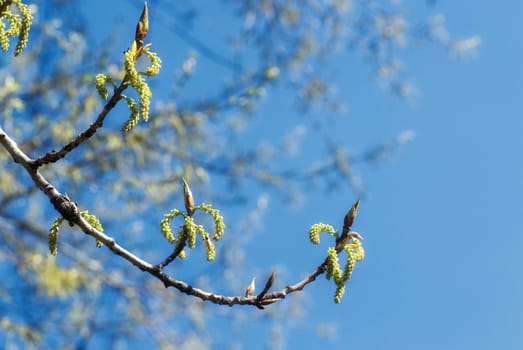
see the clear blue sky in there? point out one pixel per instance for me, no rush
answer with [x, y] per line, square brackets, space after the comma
[442, 219]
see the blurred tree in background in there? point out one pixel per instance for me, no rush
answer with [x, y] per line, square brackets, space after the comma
[212, 91]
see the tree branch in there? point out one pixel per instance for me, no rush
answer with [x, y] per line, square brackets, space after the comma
[54, 156]
[69, 210]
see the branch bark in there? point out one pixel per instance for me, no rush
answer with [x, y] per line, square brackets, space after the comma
[69, 210]
[54, 156]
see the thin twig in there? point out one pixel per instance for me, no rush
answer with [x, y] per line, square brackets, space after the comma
[54, 156]
[177, 250]
[69, 210]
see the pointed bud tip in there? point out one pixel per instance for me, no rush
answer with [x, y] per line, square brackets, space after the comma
[188, 198]
[250, 289]
[142, 27]
[270, 281]
[354, 234]
[351, 215]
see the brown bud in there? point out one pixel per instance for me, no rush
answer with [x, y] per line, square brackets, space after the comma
[354, 234]
[268, 301]
[351, 215]
[268, 285]
[250, 289]
[188, 198]
[269, 282]
[142, 27]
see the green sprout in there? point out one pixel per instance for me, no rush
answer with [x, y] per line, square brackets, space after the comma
[19, 24]
[190, 230]
[349, 241]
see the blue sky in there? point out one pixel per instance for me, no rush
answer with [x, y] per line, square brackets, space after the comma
[442, 221]
[442, 216]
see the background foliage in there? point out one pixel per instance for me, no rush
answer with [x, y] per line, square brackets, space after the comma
[244, 108]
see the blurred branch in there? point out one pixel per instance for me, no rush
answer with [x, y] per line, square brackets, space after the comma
[70, 251]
